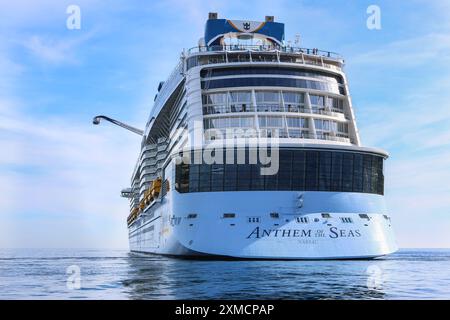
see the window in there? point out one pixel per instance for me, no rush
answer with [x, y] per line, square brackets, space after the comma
[217, 172]
[367, 172]
[311, 170]
[267, 96]
[275, 215]
[342, 128]
[229, 215]
[220, 72]
[358, 173]
[299, 170]
[346, 220]
[230, 177]
[192, 62]
[328, 127]
[238, 57]
[317, 100]
[192, 216]
[228, 122]
[240, 101]
[336, 171]
[293, 97]
[273, 82]
[302, 219]
[241, 96]
[215, 98]
[270, 122]
[294, 122]
[268, 101]
[224, 102]
[253, 219]
[294, 102]
[325, 171]
[335, 104]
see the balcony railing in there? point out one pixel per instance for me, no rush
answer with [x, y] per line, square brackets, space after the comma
[211, 110]
[292, 133]
[266, 48]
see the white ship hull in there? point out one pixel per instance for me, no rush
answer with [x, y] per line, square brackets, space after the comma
[254, 234]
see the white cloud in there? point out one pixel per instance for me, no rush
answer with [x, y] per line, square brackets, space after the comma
[62, 179]
[427, 49]
[56, 51]
[414, 126]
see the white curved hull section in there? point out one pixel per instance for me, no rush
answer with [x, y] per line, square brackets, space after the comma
[167, 228]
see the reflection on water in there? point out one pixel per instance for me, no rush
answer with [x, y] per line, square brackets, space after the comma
[41, 274]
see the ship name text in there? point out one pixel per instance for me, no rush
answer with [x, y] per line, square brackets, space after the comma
[332, 232]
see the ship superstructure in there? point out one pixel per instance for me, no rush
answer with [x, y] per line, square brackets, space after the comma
[251, 150]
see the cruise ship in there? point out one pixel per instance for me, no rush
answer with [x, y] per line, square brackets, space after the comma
[251, 151]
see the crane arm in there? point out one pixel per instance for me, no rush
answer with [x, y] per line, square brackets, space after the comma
[97, 120]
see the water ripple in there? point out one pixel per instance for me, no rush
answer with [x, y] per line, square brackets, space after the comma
[41, 274]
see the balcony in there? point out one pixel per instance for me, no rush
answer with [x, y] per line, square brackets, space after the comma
[148, 155]
[149, 171]
[265, 48]
[161, 156]
[149, 147]
[148, 163]
[253, 53]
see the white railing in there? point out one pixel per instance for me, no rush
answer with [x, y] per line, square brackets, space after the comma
[266, 48]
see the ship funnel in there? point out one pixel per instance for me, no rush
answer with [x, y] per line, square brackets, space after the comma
[270, 19]
[212, 15]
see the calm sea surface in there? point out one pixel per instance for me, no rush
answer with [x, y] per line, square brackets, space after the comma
[53, 274]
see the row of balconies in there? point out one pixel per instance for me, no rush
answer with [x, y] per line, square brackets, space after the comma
[290, 133]
[249, 54]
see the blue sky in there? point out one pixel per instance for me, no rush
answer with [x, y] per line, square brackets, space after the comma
[60, 177]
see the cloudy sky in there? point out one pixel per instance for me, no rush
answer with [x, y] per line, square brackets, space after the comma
[60, 177]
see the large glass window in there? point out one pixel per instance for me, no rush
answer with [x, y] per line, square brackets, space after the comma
[270, 122]
[317, 100]
[325, 128]
[299, 170]
[224, 102]
[220, 72]
[215, 98]
[268, 101]
[294, 101]
[273, 82]
[214, 103]
[228, 122]
[335, 104]
[293, 97]
[296, 122]
[240, 101]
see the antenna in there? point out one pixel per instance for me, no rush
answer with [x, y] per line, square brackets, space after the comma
[297, 40]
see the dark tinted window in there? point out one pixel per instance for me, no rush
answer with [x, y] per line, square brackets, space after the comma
[299, 170]
[220, 72]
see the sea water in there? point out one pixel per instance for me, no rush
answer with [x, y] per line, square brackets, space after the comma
[118, 274]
